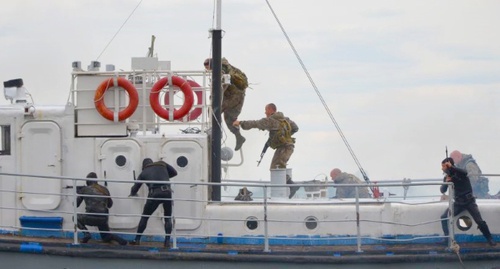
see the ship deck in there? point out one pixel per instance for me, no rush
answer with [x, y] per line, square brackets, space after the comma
[381, 254]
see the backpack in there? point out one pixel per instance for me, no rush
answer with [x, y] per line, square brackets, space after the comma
[238, 78]
[283, 135]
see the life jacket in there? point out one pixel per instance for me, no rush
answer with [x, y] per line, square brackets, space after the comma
[283, 135]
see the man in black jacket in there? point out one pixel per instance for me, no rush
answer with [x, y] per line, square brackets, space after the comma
[97, 203]
[159, 193]
[464, 198]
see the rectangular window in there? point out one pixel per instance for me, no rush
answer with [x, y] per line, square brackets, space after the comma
[4, 139]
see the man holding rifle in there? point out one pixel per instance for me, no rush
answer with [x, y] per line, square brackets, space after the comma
[280, 129]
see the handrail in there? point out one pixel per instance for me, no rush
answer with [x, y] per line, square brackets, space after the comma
[265, 203]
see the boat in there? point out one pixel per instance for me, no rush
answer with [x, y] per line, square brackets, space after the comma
[115, 118]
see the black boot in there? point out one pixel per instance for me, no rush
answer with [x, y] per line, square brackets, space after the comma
[120, 240]
[136, 241]
[293, 189]
[239, 141]
[86, 238]
[483, 227]
[166, 243]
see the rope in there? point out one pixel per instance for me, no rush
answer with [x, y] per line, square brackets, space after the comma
[456, 248]
[119, 29]
[320, 97]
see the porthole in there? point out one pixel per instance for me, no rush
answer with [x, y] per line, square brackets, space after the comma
[182, 161]
[311, 223]
[120, 160]
[252, 223]
[464, 223]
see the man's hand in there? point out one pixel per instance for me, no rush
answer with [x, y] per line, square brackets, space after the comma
[236, 123]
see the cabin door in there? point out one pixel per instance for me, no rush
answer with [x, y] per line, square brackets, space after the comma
[120, 160]
[186, 158]
[41, 155]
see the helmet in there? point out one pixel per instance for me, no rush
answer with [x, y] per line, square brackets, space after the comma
[91, 175]
[146, 162]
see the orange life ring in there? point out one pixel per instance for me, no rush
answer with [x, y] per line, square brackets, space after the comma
[154, 101]
[196, 112]
[111, 114]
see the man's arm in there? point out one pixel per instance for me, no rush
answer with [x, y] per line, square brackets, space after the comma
[171, 171]
[444, 187]
[136, 187]
[457, 173]
[262, 124]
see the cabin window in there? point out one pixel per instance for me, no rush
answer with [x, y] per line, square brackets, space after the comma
[311, 223]
[252, 223]
[5, 140]
[182, 161]
[120, 160]
[464, 223]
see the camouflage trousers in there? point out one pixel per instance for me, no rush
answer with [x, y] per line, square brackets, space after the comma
[231, 107]
[281, 156]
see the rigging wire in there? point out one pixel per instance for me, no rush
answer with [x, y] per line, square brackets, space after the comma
[319, 95]
[119, 29]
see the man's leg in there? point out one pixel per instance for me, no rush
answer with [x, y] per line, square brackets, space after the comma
[230, 115]
[149, 208]
[280, 159]
[483, 227]
[108, 237]
[167, 213]
[81, 225]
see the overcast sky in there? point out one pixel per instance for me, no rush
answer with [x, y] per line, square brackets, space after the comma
[403, 79]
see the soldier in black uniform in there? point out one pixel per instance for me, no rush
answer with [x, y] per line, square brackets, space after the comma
[158, 194]
[464, 198]
[97, 200]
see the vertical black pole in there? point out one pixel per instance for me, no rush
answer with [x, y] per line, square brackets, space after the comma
[216, 109]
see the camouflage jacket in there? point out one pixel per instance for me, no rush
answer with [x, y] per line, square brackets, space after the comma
[350, 192]
[271, 124]
[95, 204]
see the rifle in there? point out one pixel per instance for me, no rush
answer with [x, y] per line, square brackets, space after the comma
[263, 152]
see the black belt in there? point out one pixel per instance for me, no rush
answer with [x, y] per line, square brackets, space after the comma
[465, 197]
[161, 188]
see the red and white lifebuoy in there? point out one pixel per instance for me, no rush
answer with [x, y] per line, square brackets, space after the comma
[111, 114]
[154, 99]
[196, 112]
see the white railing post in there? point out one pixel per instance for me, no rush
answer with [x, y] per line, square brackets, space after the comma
[266, 230]
[358, 229]
[172, 218]
[451, 227]
[75, 215]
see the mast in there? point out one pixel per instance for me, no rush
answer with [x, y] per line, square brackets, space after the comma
[216, 103]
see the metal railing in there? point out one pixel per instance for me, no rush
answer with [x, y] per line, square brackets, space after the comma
[70, 211]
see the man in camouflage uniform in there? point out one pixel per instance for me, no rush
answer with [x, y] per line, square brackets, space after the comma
[284, 148]
[340, 177]
[479, 183]
[97, 203]
[233, 97]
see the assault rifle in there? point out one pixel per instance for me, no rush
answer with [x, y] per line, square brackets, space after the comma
[263, 152]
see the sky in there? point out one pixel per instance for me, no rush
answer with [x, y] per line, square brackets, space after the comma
[403, 79]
